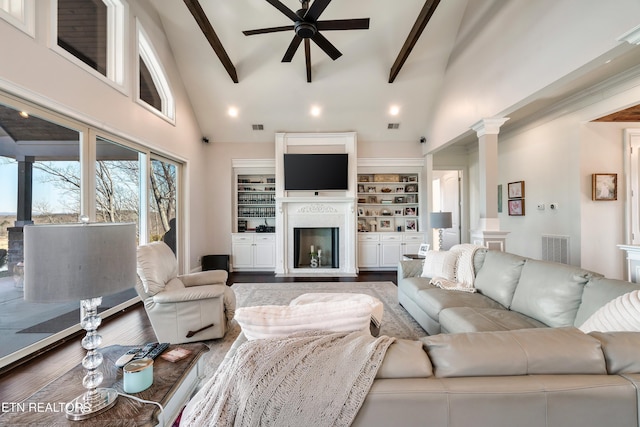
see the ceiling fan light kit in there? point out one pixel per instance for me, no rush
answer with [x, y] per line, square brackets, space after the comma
[307, 27]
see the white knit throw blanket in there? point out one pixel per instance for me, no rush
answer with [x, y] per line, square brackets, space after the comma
[308, 379]
[465, 273]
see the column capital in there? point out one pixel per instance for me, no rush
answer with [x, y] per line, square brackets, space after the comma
[489, 126]
[632, 36]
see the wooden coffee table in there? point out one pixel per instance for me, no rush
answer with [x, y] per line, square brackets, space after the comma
[173, 384]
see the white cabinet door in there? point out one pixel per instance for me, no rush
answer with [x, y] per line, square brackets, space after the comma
[368, 254]
[411, 243]
[390, 250]
[242, 255]
[264, 252]
[368, 250]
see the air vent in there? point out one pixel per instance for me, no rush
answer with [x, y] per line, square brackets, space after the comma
[257, 127]
[555, 248]
[393, 126]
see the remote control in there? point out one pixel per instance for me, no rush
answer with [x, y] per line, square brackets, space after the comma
[158, 350]
[145, 350]
[126, 358]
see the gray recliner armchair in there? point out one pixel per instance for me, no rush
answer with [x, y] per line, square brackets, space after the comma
[182, 308]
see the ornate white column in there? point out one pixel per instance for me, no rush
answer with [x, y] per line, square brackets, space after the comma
[487, 232]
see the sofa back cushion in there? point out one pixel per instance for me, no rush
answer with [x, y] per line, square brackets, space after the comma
[405, 359]
[620, 351]
[550, 292]
[540, 351]
[499, 276]
[156, 266]
[599, 291]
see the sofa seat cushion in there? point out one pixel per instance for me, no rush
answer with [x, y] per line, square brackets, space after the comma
[473, 319]
[433, 300]
[499, 276]
[540, 351]
[412, 285]
[550, 292]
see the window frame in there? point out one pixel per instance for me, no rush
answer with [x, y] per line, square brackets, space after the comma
[25, 24]
[147, 53]
[117, 17]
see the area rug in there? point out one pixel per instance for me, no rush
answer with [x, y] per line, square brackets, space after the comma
[396, 322]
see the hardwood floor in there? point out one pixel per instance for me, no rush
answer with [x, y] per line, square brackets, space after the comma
[129, 327]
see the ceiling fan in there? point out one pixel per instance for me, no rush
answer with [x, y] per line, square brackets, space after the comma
[307, 27]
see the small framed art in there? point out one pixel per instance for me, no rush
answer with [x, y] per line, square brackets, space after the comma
[410, 225]
[515, 190]
[516, 207]
[604, 186]
[386, 224]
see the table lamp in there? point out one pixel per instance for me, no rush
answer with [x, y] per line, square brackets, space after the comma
[440, 220]
[71, 262]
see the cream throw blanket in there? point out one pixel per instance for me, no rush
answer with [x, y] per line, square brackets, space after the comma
[465, 273]
[307, 379]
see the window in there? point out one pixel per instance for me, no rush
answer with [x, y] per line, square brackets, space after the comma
[19, 13]
[163, 203]
[153, 86]
[49, 174]
[92, 31]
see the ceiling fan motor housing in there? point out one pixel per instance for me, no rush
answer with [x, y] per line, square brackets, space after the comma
[306, 30]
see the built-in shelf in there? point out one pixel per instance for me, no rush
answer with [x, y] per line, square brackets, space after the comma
[255, 203]
[388, 202]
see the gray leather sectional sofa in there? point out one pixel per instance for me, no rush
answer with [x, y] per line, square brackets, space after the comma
[513, 292]
[542, 377]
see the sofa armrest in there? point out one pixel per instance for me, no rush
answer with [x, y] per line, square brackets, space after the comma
[410, 268]
[209, 277]
[189, 294]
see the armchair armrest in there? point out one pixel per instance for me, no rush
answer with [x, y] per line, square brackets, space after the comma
[208, 277]
[189, 294]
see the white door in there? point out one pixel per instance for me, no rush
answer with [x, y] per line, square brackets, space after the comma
[447, 187]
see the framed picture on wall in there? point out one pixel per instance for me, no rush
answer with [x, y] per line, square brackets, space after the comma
[515, 190]
[604, 186]
[516, 207]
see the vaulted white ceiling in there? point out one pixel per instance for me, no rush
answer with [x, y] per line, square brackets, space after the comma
[352, 92]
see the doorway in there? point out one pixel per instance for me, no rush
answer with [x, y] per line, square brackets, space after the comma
[446, 198]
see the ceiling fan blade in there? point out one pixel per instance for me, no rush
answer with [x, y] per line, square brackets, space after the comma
[267, 30]
[343, 24]
[326, 45]
[307, 55]
[293, 47]
[284, 9]
[316, 9]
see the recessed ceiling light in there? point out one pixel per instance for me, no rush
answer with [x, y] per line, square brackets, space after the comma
[232, 111]
[315, 111]
[394, 110]
[24, 114]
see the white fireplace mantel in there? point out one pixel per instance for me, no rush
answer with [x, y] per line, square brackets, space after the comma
[335, 209]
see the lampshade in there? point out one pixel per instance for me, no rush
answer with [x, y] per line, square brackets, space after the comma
[440, 219]
[73, 262]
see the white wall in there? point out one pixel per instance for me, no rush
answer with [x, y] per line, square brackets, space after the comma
[518, 49]
[30, 69]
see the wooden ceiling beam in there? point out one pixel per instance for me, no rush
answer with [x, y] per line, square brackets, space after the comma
[210, 34]
[420, 24]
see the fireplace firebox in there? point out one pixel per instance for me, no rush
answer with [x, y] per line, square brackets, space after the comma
[316, 247]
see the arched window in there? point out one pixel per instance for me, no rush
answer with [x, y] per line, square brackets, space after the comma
[153, 85]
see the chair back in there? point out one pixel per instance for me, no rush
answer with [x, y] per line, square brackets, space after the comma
[157, 265]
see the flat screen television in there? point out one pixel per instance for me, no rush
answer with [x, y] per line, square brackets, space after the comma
[316, 172]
